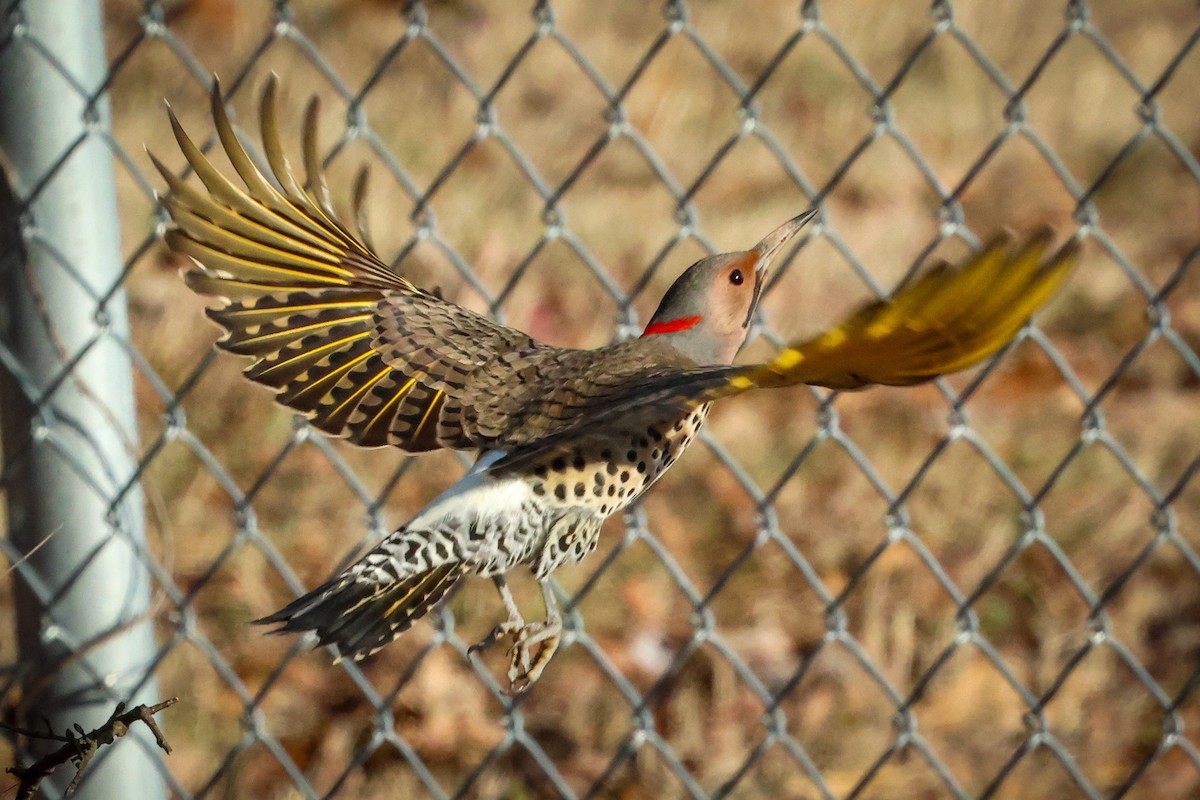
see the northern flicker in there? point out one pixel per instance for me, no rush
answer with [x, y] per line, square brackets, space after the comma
[565, 437]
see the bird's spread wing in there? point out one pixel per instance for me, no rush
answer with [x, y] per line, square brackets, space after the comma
[335, 332]
[947, 320]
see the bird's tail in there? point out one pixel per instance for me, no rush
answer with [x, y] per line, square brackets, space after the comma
[360, 616]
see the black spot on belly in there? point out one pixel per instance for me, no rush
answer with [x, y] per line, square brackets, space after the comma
[625, 475]
[580, 489]
[578, 463]
[631, 456]
[641, 467]
[559, 464]
[539, 489]
[560, 492]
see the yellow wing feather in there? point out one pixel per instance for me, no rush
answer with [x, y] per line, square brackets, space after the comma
[946, 321]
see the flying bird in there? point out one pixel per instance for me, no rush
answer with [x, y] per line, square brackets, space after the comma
[565, 438]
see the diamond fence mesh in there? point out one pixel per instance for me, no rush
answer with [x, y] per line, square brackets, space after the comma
[987, 587]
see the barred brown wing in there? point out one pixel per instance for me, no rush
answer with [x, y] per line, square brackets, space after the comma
[338, 335]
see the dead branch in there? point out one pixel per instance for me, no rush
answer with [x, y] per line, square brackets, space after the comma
[80, 748]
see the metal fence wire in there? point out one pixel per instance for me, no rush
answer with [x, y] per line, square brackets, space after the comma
[986, 587]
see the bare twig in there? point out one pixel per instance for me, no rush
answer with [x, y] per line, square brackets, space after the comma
[26, 556]
[80, 749]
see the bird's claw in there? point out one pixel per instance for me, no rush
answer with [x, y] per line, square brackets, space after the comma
[533, 644]
[532, 650]
[533, 647]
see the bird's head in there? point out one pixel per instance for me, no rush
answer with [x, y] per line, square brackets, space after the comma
[707, 311]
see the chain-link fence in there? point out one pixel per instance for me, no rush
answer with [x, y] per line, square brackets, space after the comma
[988, 587]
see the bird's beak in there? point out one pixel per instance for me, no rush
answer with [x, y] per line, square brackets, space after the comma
[765, 251]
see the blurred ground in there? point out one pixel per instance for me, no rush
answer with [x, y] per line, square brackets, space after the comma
[964, 513]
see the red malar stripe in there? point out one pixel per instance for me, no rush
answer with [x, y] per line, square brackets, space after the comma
[671, 326]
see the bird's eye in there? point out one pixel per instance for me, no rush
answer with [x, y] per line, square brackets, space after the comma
[736, 277]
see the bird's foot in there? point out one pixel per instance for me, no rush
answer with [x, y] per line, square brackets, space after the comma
[532, 650]
[534, 644]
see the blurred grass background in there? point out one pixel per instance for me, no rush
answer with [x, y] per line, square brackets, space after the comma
[885, 212]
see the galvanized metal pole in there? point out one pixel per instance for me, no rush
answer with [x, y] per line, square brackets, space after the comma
[70, 425]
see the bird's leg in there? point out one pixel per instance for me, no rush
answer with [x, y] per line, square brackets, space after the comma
[527, 666]
[510, 627]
